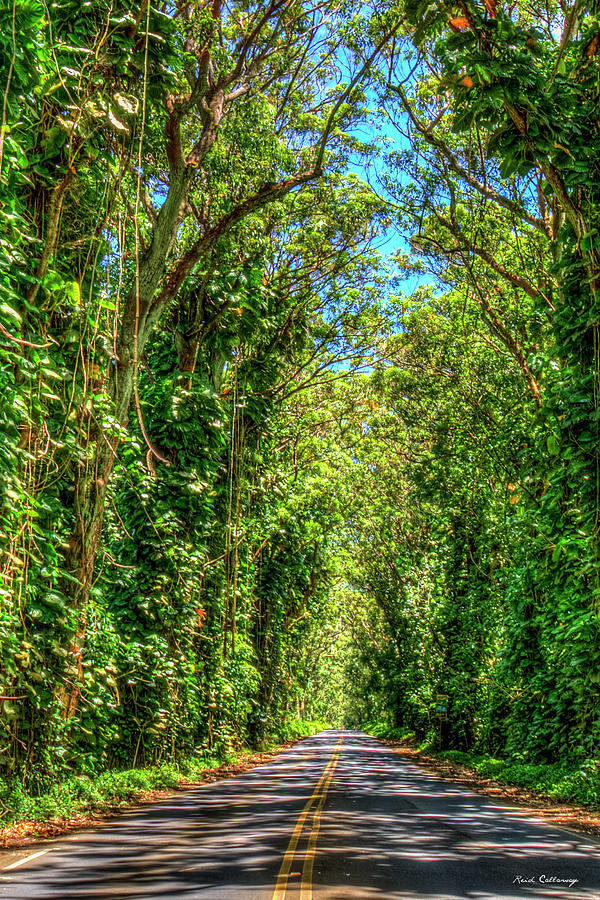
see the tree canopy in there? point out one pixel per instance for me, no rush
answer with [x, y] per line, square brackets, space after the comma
[248, 473]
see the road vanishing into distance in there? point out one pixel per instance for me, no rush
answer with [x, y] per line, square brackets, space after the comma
[337, 817]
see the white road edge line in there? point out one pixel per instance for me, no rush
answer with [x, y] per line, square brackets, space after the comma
[21, 862]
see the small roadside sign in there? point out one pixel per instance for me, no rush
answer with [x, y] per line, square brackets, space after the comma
[441, 705]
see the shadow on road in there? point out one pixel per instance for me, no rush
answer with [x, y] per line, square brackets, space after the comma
[388, 830]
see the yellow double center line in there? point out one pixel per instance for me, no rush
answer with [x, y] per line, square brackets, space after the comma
[315, 806]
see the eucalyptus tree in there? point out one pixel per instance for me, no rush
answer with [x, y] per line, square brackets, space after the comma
[140, 103]
[216, 566]
[501, 111]
[231, 56]
[138, 149]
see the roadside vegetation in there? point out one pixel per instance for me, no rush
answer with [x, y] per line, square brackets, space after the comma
[561, 781]
[299, 383]
[83, 794]
[566, 781]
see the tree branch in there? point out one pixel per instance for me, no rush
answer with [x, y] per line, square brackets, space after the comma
[516, 280]
[268, 193]
[484, 189]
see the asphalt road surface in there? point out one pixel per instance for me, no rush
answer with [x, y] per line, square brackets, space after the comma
[337, 817]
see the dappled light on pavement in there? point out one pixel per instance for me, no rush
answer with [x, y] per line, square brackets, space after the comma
[388, 829]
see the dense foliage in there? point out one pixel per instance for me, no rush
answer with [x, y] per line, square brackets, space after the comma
[482, 548]
[183, 255]
[250, 469]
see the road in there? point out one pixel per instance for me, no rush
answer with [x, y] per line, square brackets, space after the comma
[337, 817]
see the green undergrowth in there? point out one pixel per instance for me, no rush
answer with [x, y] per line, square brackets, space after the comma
[572, 782]
[81, 794]
[297, 729]
[387, 733]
